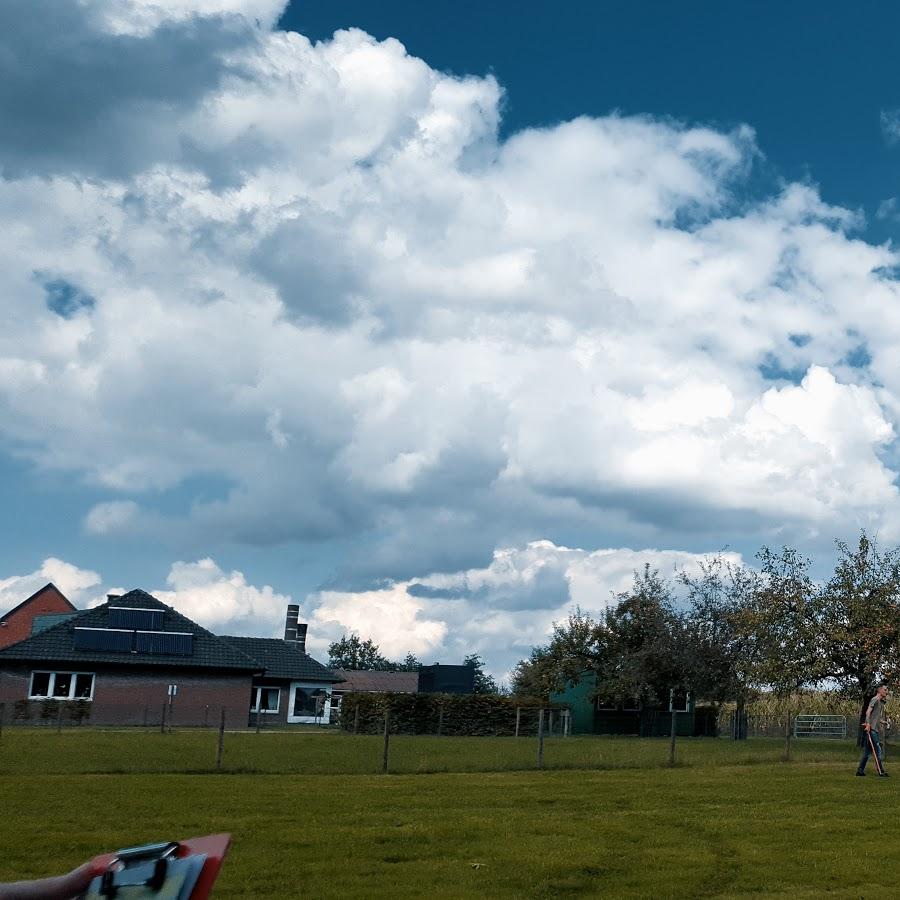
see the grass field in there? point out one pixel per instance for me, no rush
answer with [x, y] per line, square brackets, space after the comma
[729, 821]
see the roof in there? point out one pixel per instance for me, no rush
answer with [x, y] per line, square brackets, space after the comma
[49, 586]
[282, 659]
[57, 643]
[359, 680]
[48, 620]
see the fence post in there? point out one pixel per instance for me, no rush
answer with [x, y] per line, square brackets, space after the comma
[146, 713]
[387, 737]
[2, 716]
[440, 719]
[221, 746]
[206, 716]
[258, 717]
[59, 715]
[518, 719]
[162, 724]
[540, 752]
[567, 722]
[356, 719]
[672, 732]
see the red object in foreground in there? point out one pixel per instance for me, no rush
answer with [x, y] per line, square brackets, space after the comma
[215, 846]
[212, 846]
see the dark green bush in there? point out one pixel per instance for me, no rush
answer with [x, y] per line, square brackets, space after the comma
[449, 714]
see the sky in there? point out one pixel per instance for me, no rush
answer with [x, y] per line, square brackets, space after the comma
[439, 319]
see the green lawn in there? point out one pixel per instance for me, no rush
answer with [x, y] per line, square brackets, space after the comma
[85, 750]
[714, 826]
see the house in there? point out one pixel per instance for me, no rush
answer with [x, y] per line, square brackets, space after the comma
[17, 624]
[591, 714]
[293, 688]
[135, 661]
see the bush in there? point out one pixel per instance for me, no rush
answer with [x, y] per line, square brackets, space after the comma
[49, 710]
[450, 714]
[22, 711]
[79, 711]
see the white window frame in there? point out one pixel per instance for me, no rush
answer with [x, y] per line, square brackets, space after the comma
[256, 698]
[687, 702]
[52, 685]
[324, 718]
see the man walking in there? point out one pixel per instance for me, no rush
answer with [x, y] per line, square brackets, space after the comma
[872, 728]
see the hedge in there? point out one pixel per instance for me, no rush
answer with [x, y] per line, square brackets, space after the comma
[448, 714]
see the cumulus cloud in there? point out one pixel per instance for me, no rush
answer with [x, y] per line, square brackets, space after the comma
[314, 274]
[222, 601]
[78, 585]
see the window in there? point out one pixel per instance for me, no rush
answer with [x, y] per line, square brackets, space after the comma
[679, 701]
[266, 700]
[61, 685]
[309, 702]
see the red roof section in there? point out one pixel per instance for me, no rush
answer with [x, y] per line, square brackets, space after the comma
[359, 680]
[15, 626]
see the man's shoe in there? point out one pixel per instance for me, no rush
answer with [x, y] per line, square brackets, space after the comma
[883, 775]
[860, 774]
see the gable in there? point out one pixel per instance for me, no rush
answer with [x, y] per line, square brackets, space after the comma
[16, 625]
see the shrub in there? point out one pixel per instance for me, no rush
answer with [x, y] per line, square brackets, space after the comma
[450, 714]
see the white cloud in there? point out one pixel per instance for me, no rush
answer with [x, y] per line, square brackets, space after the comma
[76, 584]
[223, 601]
[321, 280]
[112, 517]
[890, 124]
[389, 617]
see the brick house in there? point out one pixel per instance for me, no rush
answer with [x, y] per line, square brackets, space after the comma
[17, 624]
[294, 689]
[136, 661]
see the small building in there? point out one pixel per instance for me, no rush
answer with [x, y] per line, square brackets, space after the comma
[43, 605]
[591, 714]
[294, 688]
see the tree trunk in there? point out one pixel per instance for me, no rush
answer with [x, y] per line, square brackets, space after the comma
[739, 733]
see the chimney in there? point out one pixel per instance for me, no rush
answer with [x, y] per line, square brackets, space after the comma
[294, 631]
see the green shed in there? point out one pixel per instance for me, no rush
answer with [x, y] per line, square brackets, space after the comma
[591, 715]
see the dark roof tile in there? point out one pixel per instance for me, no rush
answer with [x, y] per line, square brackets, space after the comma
[282, 659]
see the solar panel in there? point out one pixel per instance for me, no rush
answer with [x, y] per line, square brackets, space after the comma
[106, 639]
[164, 643]
[126, 617]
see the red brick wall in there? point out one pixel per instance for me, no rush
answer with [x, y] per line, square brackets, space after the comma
[125, 696]
[17, 626]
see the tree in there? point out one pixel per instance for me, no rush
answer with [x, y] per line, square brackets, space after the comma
[719, 623]
[351, 652]
[861, 619]
[410, 663]
[784, 626]
[484, 683]
[573, 648]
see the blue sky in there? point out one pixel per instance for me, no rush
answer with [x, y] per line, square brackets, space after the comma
[439, 318]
